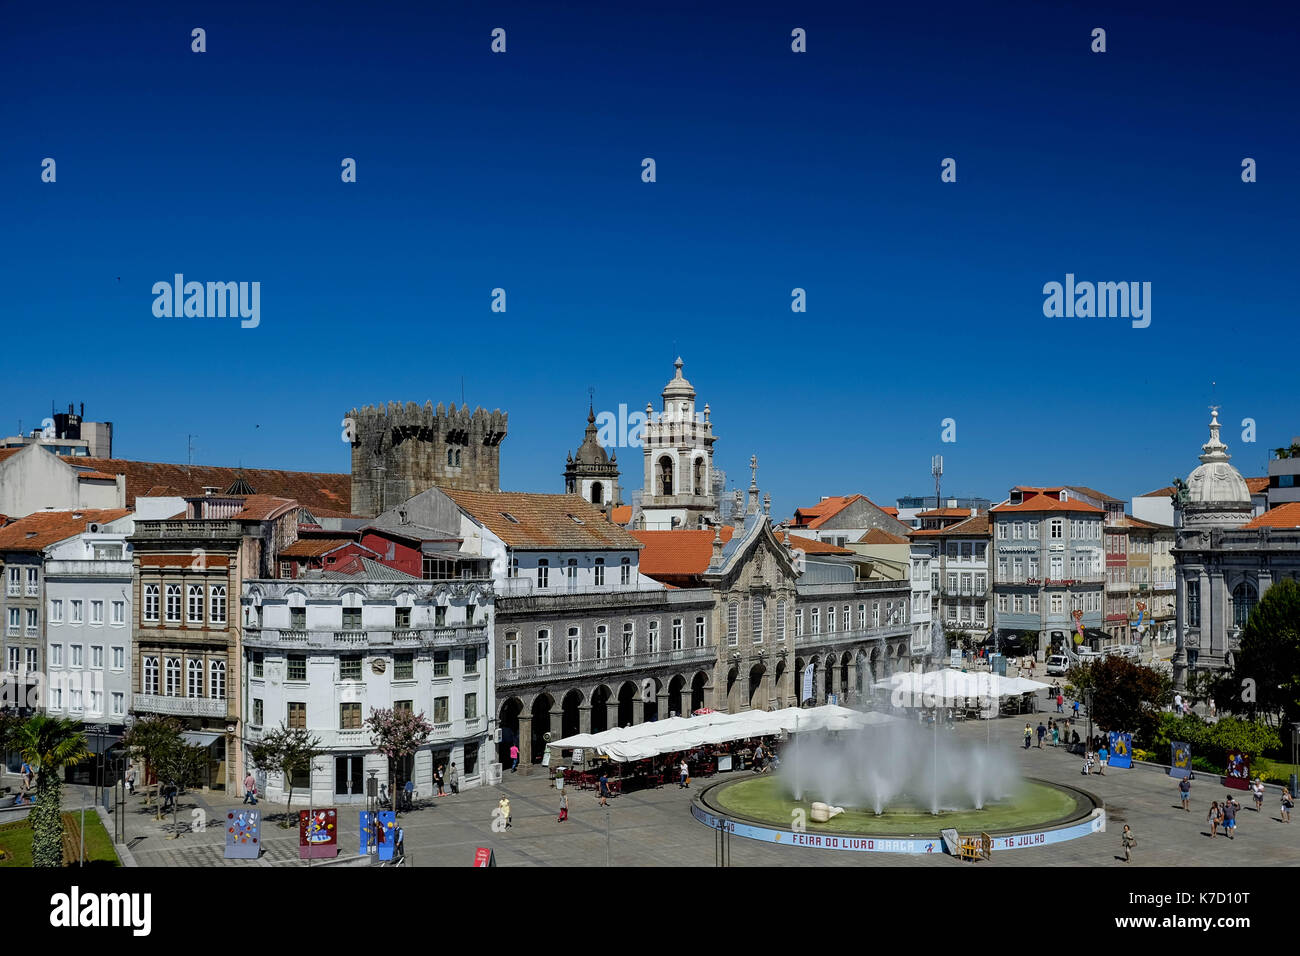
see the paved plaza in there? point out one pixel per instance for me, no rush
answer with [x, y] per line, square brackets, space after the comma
[655, 827]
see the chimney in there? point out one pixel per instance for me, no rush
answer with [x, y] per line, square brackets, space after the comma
[210, 490]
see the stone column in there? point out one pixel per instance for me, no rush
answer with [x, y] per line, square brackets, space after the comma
[1213, 589]
[525, 743]
[661, 701]
[584, 718]
[611, 713]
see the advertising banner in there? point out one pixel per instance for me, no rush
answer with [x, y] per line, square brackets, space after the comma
[1180, 759]
[386, 834]
[318, 833]
[243, 834]
[1121, 750]
[1238, 775]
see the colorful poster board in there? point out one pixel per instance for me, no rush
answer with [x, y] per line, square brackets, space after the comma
[243, 834]
[318, 833]
[366, 831]
[1238, 775]
[483, 856]
[1180, 759]
[386, 833]
[1121, 750]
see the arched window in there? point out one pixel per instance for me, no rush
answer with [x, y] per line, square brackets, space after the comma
[174, 603]
[665, 476]
[173, 675]
[194, 612]
[151, 611]
[217, 680]
[597, 493]
[1244, 598]
[218, 607]
[699, 476]
[193, 678]
[150, 683]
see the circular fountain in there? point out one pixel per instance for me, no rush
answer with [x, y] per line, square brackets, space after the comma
[895, 789]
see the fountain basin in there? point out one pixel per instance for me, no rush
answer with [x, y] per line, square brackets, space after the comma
[1038, 814]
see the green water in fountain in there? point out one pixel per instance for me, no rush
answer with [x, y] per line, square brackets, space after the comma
[1034, 805]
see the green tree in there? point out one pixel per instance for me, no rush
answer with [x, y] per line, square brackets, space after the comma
[289, 753]
[49, 744]
[147, 740]
[1125, 696]
[179, 765]
[1267, 671]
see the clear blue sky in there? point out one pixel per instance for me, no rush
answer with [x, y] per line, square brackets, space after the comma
[775, 170]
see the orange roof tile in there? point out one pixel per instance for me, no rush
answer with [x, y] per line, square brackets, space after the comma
[316, 547]
[621, 515]
[43, 528]
[310, 489]
[1283, 516]
[95, 476]
[892, 512]
[680, 552]
[816, 515]
[1256, 485]
[543, 522]
[877, 536]
[1159, 492]
[811, 546]
[263, 507]
[1036, 499]
[183, 559]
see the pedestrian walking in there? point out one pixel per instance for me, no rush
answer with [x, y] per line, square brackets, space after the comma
[1056, 734]
[1128, 841]
[564, 807]
[1103, 758]
[130, 780]
[250, 789]
[1029, 735]
[1257, 790]
[1214, 818]
[1076, 710]
[504, 806]
[453, 778]
[399, 844]
[1212, 717]
[438, 779]
[1230, 808]
[1185, 792]
[514, 757]
[1060, 701]
[603, 789]
[1042, 732]
[1088, 759]
[1287, 803]
[685, 779]
[1178, 703]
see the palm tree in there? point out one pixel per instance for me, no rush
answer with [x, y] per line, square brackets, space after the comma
[49, 744]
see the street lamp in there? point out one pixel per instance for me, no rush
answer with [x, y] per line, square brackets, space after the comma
[1087, 699]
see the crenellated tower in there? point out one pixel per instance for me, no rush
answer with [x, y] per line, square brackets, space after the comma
[401, 450]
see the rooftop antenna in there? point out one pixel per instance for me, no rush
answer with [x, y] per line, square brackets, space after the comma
[936, 469]
[189, 453]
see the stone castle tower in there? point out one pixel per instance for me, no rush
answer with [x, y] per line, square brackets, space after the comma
[401, 450]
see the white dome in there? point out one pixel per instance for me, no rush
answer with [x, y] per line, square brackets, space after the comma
[1215, 482]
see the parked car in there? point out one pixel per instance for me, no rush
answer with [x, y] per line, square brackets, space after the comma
[1057, 665]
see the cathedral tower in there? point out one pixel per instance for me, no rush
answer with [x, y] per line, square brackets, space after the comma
[592, 472]
[678, 447]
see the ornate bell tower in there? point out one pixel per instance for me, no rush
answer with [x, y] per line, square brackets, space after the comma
[592, 472]
[678, 448]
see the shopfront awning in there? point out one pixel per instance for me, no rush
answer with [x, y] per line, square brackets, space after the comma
[200, 738]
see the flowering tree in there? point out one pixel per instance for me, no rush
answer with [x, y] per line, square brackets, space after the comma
[397, 734]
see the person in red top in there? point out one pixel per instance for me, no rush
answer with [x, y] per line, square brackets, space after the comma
[514, 757]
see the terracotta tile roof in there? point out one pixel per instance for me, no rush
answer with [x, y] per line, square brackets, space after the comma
[44, 528]
[975, 525]
[1159, 492]
[1256, 485]
[95, 476]
[310, 489]
[816, 515]
[621, 515]
[543, 522]
[316, 547]
[945, 513]
[1036, 499]
[1092, 492]
[877, 536]
[811, 546]
[1283, 516]
[263, 507]
[892, 512]
[685, 551]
